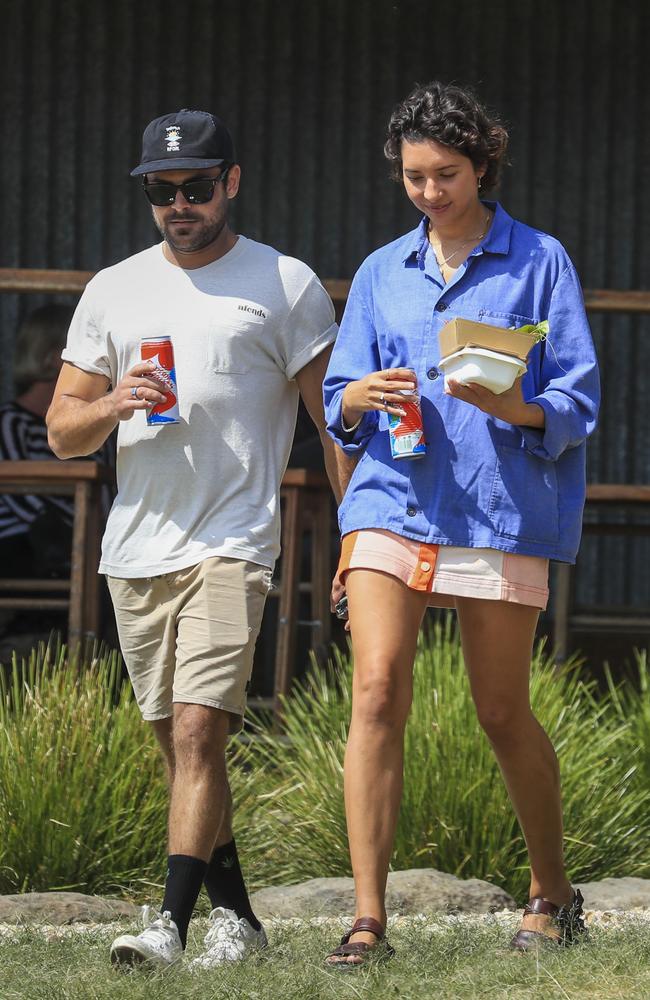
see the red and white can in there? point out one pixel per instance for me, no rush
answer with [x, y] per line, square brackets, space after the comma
[160, 350]
[407, 432]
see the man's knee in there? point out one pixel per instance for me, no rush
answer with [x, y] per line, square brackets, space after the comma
[199, 736]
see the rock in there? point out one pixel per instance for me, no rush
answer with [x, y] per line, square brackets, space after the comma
[63, 908]
[616, 893]
[419, 890]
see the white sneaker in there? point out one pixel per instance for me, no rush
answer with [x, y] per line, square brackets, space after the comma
[158, 944]
[230, 939]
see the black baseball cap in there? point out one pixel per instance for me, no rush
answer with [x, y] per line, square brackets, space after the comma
[183, 140]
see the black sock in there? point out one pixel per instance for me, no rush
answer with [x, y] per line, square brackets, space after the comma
[225, 883]
[182, 887]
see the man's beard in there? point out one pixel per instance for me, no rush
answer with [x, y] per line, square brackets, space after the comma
[197, 237]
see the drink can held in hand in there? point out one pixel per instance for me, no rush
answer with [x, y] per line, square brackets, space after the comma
[407, 432]
[160, 350]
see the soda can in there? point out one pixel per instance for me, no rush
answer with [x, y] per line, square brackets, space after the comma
[160, 350]
[407, 432]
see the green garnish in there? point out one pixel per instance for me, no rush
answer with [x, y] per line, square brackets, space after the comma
[538, 331]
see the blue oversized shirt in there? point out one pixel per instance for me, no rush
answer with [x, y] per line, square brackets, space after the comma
[483, 483]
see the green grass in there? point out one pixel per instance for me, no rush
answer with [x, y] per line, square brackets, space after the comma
[455, 962]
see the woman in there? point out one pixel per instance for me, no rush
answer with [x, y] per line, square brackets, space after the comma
[473, 523]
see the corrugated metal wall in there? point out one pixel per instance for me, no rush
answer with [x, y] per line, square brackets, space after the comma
[307, 86]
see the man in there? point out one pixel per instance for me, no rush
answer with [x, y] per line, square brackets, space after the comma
[193, 535]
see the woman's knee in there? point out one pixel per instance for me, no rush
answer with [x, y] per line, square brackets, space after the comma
[380, 698]
[504, 721]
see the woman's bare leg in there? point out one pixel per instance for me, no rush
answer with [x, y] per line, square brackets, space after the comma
[497, 639]
[385, 618]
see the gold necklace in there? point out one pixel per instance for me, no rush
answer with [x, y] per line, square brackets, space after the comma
[474, 239]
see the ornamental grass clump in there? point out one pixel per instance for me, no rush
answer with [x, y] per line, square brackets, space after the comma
[82, 791]
[83, 795]
[455, 814]
[631, 701]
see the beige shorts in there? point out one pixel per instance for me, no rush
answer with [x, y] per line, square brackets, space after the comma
[189, 636]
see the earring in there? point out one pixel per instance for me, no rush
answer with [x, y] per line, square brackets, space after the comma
[480, 182]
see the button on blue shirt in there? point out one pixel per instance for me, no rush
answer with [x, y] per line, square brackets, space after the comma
[483, 482]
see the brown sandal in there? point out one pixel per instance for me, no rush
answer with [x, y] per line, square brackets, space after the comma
[568, 921]
[380, 951]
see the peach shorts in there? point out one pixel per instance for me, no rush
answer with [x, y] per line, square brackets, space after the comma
[446, 572]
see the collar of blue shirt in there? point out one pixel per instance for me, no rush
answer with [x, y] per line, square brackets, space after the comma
[496, 241]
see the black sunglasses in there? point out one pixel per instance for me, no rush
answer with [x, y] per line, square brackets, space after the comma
[196, 192]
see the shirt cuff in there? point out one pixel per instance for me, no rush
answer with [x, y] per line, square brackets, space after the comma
[548, 442]
[355, 439]
[350, 430]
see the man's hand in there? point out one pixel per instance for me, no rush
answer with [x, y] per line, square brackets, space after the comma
[137, 390]
[337, 592]
[83, 413]
[509, 405]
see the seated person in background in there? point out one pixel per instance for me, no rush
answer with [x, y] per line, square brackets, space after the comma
[36, 531]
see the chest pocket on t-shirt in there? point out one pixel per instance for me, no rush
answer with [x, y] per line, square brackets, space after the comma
[231, 346]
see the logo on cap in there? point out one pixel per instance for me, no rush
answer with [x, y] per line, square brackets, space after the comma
[173, 138]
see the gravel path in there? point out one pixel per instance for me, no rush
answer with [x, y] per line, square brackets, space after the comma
[436, 923]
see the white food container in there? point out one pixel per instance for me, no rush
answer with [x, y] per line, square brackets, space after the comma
[496, 372]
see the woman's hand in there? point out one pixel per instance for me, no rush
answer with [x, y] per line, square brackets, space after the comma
[385, 390]
[509, 405]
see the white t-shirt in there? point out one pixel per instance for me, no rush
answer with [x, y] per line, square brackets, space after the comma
[241, 328]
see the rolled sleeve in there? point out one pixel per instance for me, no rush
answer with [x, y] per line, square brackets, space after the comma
[87, 343]
[569, 386]
[355, 355]
[309, 329]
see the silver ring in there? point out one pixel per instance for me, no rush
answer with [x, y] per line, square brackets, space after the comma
[382, 399]
[134, 391]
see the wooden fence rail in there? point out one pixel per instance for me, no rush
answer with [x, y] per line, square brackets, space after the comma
[74, 282]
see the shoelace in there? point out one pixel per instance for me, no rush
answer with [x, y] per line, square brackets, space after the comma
[224, 929]
[151, 917]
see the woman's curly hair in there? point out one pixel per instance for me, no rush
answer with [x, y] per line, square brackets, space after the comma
[452, 116]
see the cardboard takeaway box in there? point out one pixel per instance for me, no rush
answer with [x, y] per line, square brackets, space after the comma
[459, 333]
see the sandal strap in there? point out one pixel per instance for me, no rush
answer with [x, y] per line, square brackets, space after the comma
[571, 918]
[370, 925]
[523, 938]
[353, 948]
[540, 905]
[574, 907]
[568, 919]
